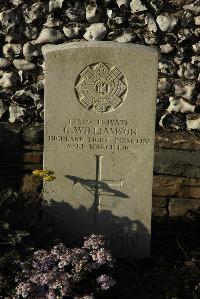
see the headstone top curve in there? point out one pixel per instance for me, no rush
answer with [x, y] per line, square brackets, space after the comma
[97, 44]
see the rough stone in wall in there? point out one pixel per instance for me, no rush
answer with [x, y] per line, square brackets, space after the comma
[172, 26]
[96, 31]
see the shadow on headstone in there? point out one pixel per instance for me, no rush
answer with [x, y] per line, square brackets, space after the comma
[127, 234]
[92, 185]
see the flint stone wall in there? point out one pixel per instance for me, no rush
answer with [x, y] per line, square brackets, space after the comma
[172, 26]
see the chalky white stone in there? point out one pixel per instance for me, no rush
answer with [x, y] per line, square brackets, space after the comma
[16, 2]
[34, 12]
[76, 13]
[93, 12]
[3, 108]
[24, 65]
[96, 31]
[166, 23]
[123, 2]
[196, 47]
[4, 63]
[137, 6]
[167, 48]
[31, 32]
[188, 71]
[179, 105]
[16, 112]
[186, 89]
[151, 23]
[55, 4]
[193, 124]
[9, 18]
[197, 32]
[164, 85]
[126, 37]
[197, 20]
[100, 101]
[52, 22]
[14, 35]
[151, 39]
[194, 7]
[12, 50]
[72, 32]
[195, 60]
[8, 80]
[31, 50]
[167, 67]
[49, 36]
[120, 20]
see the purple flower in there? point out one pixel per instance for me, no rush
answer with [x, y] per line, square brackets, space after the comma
[106, 281]
[94, 242]
[62, 264]
[85, 297]
[58, 249]
[23, 289]
[59, 273]
[51, 295]
[101, 256]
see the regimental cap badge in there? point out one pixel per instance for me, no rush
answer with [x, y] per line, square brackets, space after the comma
[101, 87]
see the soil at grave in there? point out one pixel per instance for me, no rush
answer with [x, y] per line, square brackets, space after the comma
[172, 272]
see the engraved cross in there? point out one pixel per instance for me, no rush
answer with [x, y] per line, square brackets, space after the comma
[102, 185]
[98, 186]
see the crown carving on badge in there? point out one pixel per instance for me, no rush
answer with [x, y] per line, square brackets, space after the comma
[101, 87]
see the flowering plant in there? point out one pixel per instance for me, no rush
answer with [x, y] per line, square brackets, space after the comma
[46, 175]
[67, 273]
[20, 218]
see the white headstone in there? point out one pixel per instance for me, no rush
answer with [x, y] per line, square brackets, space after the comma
[100, 101]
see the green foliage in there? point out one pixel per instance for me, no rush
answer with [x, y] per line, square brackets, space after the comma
[177, 280]
[18, 216]
[9, 236]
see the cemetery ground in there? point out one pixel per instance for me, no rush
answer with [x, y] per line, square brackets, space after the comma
[172, 271]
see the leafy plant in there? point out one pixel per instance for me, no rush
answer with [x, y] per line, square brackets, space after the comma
[18, 215]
